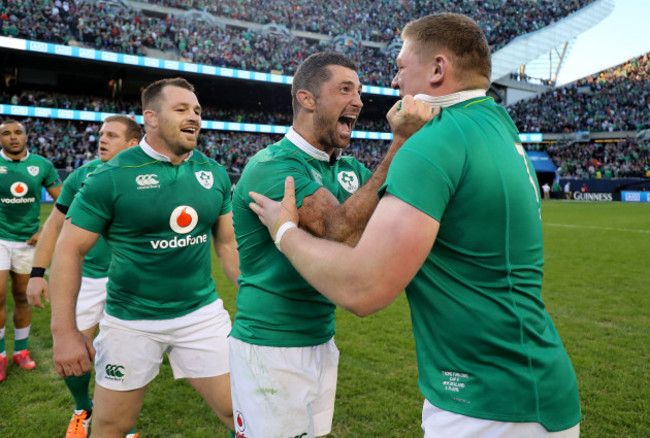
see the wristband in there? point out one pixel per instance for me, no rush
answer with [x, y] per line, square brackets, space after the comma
[37, 273]
[283, 229]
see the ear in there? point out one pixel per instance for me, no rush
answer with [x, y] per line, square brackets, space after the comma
[439, 69]
[150, 118]
[133, 142]
[306, 99]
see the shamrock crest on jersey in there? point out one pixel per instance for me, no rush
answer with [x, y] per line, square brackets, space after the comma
[348, 181]
[205, 178]
[33, 170]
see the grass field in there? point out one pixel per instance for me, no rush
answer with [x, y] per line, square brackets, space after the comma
[596, 287]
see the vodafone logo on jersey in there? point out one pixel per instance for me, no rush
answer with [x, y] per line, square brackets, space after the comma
[19, 189]
[183, 219]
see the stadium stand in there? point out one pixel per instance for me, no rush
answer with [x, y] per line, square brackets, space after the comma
[381, 20]
[616, 99]
[132, 32]
[612, 101]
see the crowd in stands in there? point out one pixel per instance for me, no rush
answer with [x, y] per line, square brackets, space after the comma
[133, 32]
[381, 20]
[617, 99]
[612, 159]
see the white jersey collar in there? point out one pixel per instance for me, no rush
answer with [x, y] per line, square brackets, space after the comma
[147, 149]
[304, 146]
[450, 99]
[3, 155]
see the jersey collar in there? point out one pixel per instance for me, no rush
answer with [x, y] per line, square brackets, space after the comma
[147, 149]
[450, 99]
[304, 146]
[3, 155]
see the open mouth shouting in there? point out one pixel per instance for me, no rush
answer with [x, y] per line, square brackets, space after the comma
[345, 124]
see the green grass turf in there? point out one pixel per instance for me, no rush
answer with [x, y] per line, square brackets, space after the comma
[596, 288]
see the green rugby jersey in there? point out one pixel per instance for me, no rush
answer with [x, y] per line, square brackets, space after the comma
[20, 194]
[275, 305]
[99, 257]
[157, 219]
[486, 347]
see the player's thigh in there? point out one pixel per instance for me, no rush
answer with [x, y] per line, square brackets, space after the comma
[4, 277]
[282, 392]
[19, 287]
[128, 357]
[115, 411]
[439, 423]
[91, 302]
[216, 392]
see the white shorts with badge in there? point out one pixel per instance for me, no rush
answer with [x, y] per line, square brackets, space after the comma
[16, 257]
[129, 353]
[91, 302]
[281, 392]
[438, 423]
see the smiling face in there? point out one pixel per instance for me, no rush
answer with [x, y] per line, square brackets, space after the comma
[14, 139]
[338, 105]
[113, 139]
[178, 119]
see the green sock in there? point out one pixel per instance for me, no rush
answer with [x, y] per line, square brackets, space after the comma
[3, 347]
[78, 386]
[132, 431]
[232, 434]
[21, 335]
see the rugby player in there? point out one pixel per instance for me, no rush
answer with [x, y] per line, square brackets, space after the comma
[117, 133]
[158, 206]
[284, 360]
[22, 174]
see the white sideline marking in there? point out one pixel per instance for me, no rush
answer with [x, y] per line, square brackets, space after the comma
[599, 228]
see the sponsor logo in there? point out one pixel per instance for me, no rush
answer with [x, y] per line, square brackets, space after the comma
[3, 169]
[147, 181]
[348, 181]
[633, 197]
[182, 221]
[179, 243]
[580, 196]
[19, 189]
[17, 200]
[317, 177]
[115, 372]
[33, 170]
[240, 425]
[205, 178]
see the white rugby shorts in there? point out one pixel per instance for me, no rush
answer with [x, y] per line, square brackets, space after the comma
[438, 423]
[280, 392]
[91, 302]
[129, 353]
[16, 256]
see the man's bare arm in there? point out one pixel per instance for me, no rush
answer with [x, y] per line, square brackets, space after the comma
[73, 352]
[43, 257]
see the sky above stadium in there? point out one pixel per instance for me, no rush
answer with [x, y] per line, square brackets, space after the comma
[623, 35]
